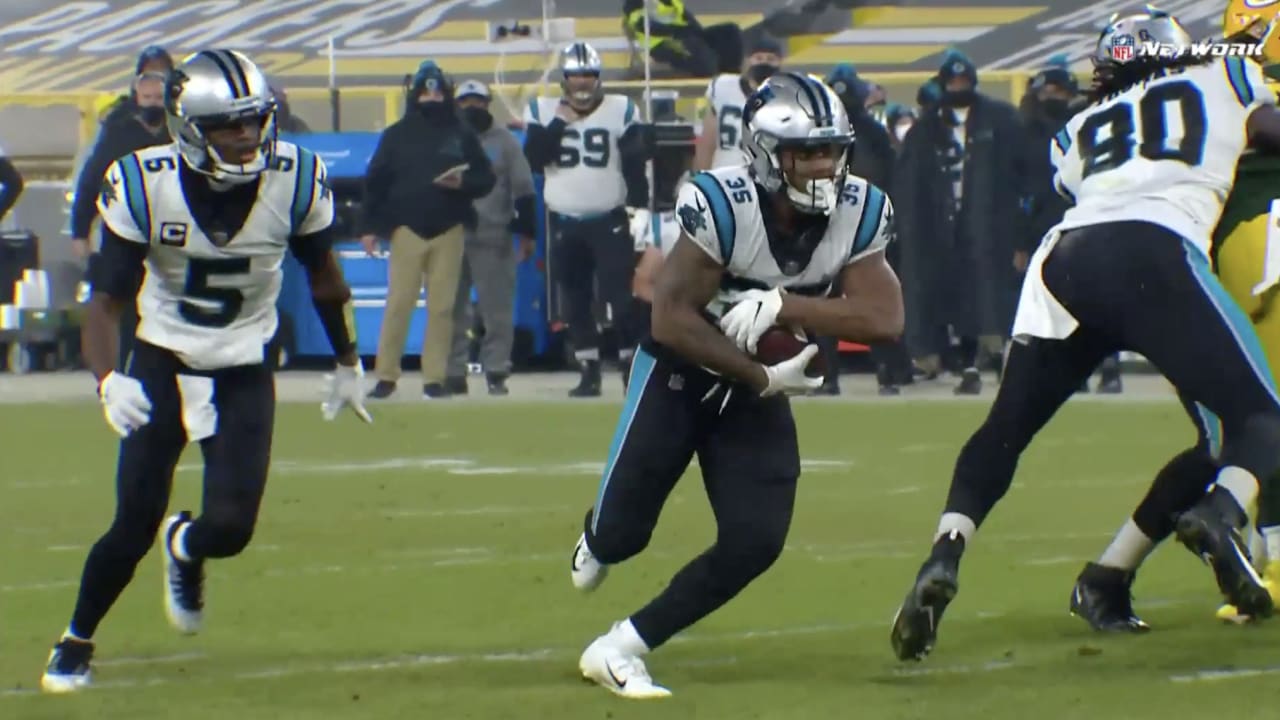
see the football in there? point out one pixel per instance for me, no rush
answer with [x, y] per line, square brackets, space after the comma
[779, 343]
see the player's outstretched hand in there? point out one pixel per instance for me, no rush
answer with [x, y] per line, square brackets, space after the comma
[124, 403]
[788, 376]
[755, 312]
[345, 388]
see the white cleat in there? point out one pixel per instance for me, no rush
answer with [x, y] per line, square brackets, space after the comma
[622, 674]
[183, 582]
[68, 669]
[586, 571]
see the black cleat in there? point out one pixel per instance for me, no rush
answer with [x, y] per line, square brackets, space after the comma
[589, 383]
[435, 391]
[970, 383]
[1103, 598]
[915, 627]
[382, 390]
[456, 385]
[1209, 531]
[497, 384]
[68, 669]
[889, 391]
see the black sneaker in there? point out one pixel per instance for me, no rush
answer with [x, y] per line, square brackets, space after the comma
[1210, 531]
[589, 383]
[455, 385]
[497, 383]
[970, 383]
[382, 390]
[889, 391]
[915, 627]
[68, 669]
[1110, 383]
[183, 581]
[1103, 597]
[434, 391]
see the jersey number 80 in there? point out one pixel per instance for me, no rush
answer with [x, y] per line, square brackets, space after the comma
[1108, 151]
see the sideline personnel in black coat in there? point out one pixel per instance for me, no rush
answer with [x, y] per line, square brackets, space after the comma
[426, 172]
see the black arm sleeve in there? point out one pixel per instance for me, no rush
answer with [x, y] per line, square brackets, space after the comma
[478, 179]
[11, 179]
[312, 251]
[523, 223]
[117, 269]
[377, 180]
[83, 208]
[634, 146]
[542, 144]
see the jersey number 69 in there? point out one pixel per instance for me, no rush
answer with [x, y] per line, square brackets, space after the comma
[220, 305]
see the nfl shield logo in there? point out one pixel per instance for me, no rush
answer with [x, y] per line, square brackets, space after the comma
[1122, 47]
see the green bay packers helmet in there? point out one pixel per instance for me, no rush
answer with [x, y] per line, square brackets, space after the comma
[1256, 19]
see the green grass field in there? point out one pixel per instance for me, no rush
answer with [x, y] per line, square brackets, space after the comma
[419, 568]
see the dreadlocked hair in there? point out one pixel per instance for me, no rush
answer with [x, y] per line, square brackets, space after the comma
[1112, 79]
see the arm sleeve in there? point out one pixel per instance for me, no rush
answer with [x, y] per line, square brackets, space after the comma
[11, 180]
[634, 147]
[875, 227]
[377, 180]
[312, 250]
[541, 142]
[705, 216]
[478, 179]
[117, 269]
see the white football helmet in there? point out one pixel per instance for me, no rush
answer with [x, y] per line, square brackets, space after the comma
[215, 89]
[800, 112]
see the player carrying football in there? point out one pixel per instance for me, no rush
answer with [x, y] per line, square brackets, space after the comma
[1147, 165]
[762, 245]
[197, 230]
[1246, 256]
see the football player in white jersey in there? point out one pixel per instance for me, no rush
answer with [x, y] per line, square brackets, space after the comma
[198, 231]
[720, 143]
[592, 148]
[792, 240]
[1147, 165]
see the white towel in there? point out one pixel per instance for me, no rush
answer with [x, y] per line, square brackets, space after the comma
[1039, 312]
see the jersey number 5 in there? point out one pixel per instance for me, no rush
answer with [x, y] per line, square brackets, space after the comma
[594, 152]
[1110, 151]
[219, 306]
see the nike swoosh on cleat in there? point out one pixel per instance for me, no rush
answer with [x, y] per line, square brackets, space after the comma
[622, 684]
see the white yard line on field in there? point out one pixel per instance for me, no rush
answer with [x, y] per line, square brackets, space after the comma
[1233, 674]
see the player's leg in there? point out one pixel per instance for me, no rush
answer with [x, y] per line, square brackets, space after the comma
[615, 261]
[408, 253]
[456, 369]
[144, 475]
[574, 269]
[1183, 321]
[443, 270]
[1102, 594]
[1039, 376]
[750, 464]
[494, 264]
[236, 458]
[651, 447]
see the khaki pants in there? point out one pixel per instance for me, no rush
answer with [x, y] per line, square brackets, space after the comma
[438, 263]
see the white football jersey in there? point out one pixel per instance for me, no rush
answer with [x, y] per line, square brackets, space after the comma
[720, 212]
[726, 97]
[1163, 151]
[212, 300]
[587, 178]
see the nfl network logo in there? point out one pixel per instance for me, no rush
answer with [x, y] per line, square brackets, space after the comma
[1124, 48]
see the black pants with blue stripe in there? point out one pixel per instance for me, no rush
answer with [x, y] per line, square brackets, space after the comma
[236, 459]
[1132, 286]
[747, 450]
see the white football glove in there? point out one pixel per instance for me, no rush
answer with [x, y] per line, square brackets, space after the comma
[755, 312]
[124, 403]
[788, 376]
[641, 226]
[345, 388]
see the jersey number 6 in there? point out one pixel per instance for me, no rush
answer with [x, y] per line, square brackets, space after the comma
[594, 152]
[220, 305]
[1115, 149]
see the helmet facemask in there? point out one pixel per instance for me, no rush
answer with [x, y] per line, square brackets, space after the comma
[232, 149]
[582, 90]
[811, 171]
